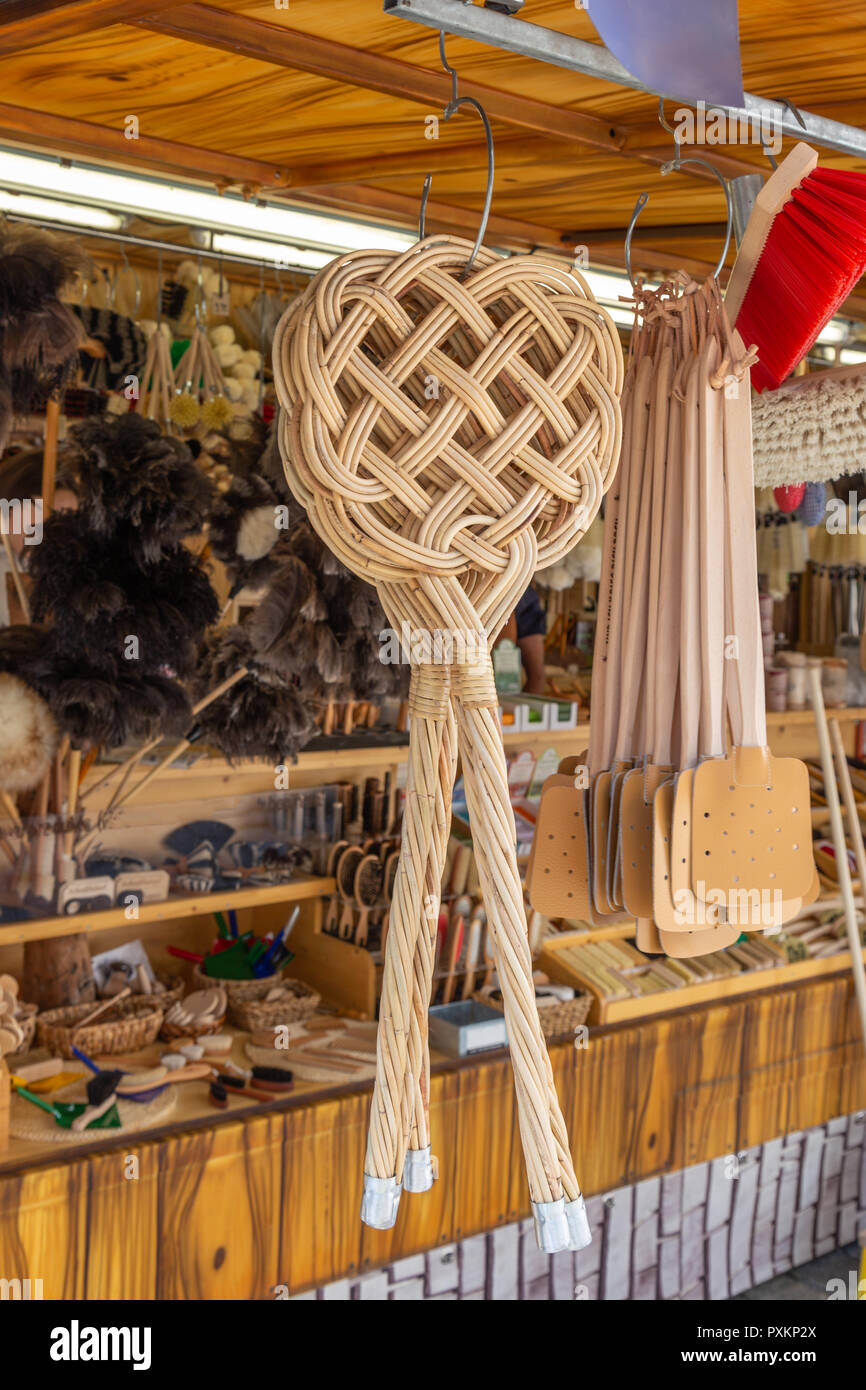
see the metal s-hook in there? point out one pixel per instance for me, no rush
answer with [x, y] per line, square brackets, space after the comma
[454, 104]
[664, 125]
[199, 308]
[675, 165]
[643, 199]
[130, 270]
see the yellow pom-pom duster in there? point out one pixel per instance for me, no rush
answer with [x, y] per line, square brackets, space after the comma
[216, 413]
[184, 410]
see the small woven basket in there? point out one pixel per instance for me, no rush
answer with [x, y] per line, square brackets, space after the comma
[174, 989]
[254, 1015]
[237, 990]
[170, 1032]
[557, 1020]
[136, 1023]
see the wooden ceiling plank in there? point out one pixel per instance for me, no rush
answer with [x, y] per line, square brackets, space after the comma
[30, 23]
[508, 232]
[615, 236]
[276, 44]
[88, 140]
[290, 48]
[450, 158]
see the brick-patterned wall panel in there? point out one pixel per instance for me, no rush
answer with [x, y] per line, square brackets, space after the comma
[707, 1232]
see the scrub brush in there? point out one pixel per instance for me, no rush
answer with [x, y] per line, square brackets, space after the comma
[802, 253]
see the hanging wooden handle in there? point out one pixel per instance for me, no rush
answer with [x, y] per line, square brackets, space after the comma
[690, 630]
[748, 660]
[631, 595]
[668, 617]
[711, 552]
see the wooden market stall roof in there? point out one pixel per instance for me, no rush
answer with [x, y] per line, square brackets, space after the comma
[324, 103]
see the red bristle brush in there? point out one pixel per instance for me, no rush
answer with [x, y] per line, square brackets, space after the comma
[802, 253]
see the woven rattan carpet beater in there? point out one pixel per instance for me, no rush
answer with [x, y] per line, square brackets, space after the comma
[448, 505]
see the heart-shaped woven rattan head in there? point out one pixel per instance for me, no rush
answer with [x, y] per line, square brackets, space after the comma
[436, 426]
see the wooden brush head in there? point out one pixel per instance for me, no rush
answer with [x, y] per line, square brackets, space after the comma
[769, 203]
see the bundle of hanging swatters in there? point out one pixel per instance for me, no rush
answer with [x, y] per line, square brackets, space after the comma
[668, 822]
[448, 505]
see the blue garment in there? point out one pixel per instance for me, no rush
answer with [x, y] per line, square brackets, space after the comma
[529, 616]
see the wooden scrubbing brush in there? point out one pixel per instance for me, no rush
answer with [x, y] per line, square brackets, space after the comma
[803, 251]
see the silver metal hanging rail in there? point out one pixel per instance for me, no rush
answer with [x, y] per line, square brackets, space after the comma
[153, 244]
[517, 35]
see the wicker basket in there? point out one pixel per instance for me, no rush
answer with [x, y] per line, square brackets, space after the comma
[557, 1020]
[237, 991]
[175, 989]
[253, 1015]
[136, 1023]
[170, 1032]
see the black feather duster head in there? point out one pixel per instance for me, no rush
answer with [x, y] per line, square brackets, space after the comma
[34, 267]
[135, 480]
[39, 336]
[245, 531]
[97, 595]
[111, 703]
[262, 716]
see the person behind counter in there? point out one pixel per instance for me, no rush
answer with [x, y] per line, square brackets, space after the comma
[527, 626]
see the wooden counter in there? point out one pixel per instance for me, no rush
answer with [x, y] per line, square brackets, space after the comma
[240, 1205]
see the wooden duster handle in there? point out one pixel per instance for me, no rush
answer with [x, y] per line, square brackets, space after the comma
[154, 742]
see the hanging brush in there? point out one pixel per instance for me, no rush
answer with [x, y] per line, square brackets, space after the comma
[812, 429]
[802, 253]
[173, 299]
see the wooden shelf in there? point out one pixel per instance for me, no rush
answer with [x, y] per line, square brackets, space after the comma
[606, 1010]
[337, 761]
[175, 906]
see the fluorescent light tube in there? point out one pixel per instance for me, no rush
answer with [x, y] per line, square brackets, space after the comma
[257, 250]
[147, 197]
[50, 210]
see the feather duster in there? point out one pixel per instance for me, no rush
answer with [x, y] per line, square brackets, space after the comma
[34, 267]
[240, 446]
[276, 627]
[45, 342]
[316, 556]
[244, 533]
[39, 336]
[262, 716]
[132, 474]
[111, 703]
[28, 652]
[28, 736]
[96, 596]
[124, 708]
